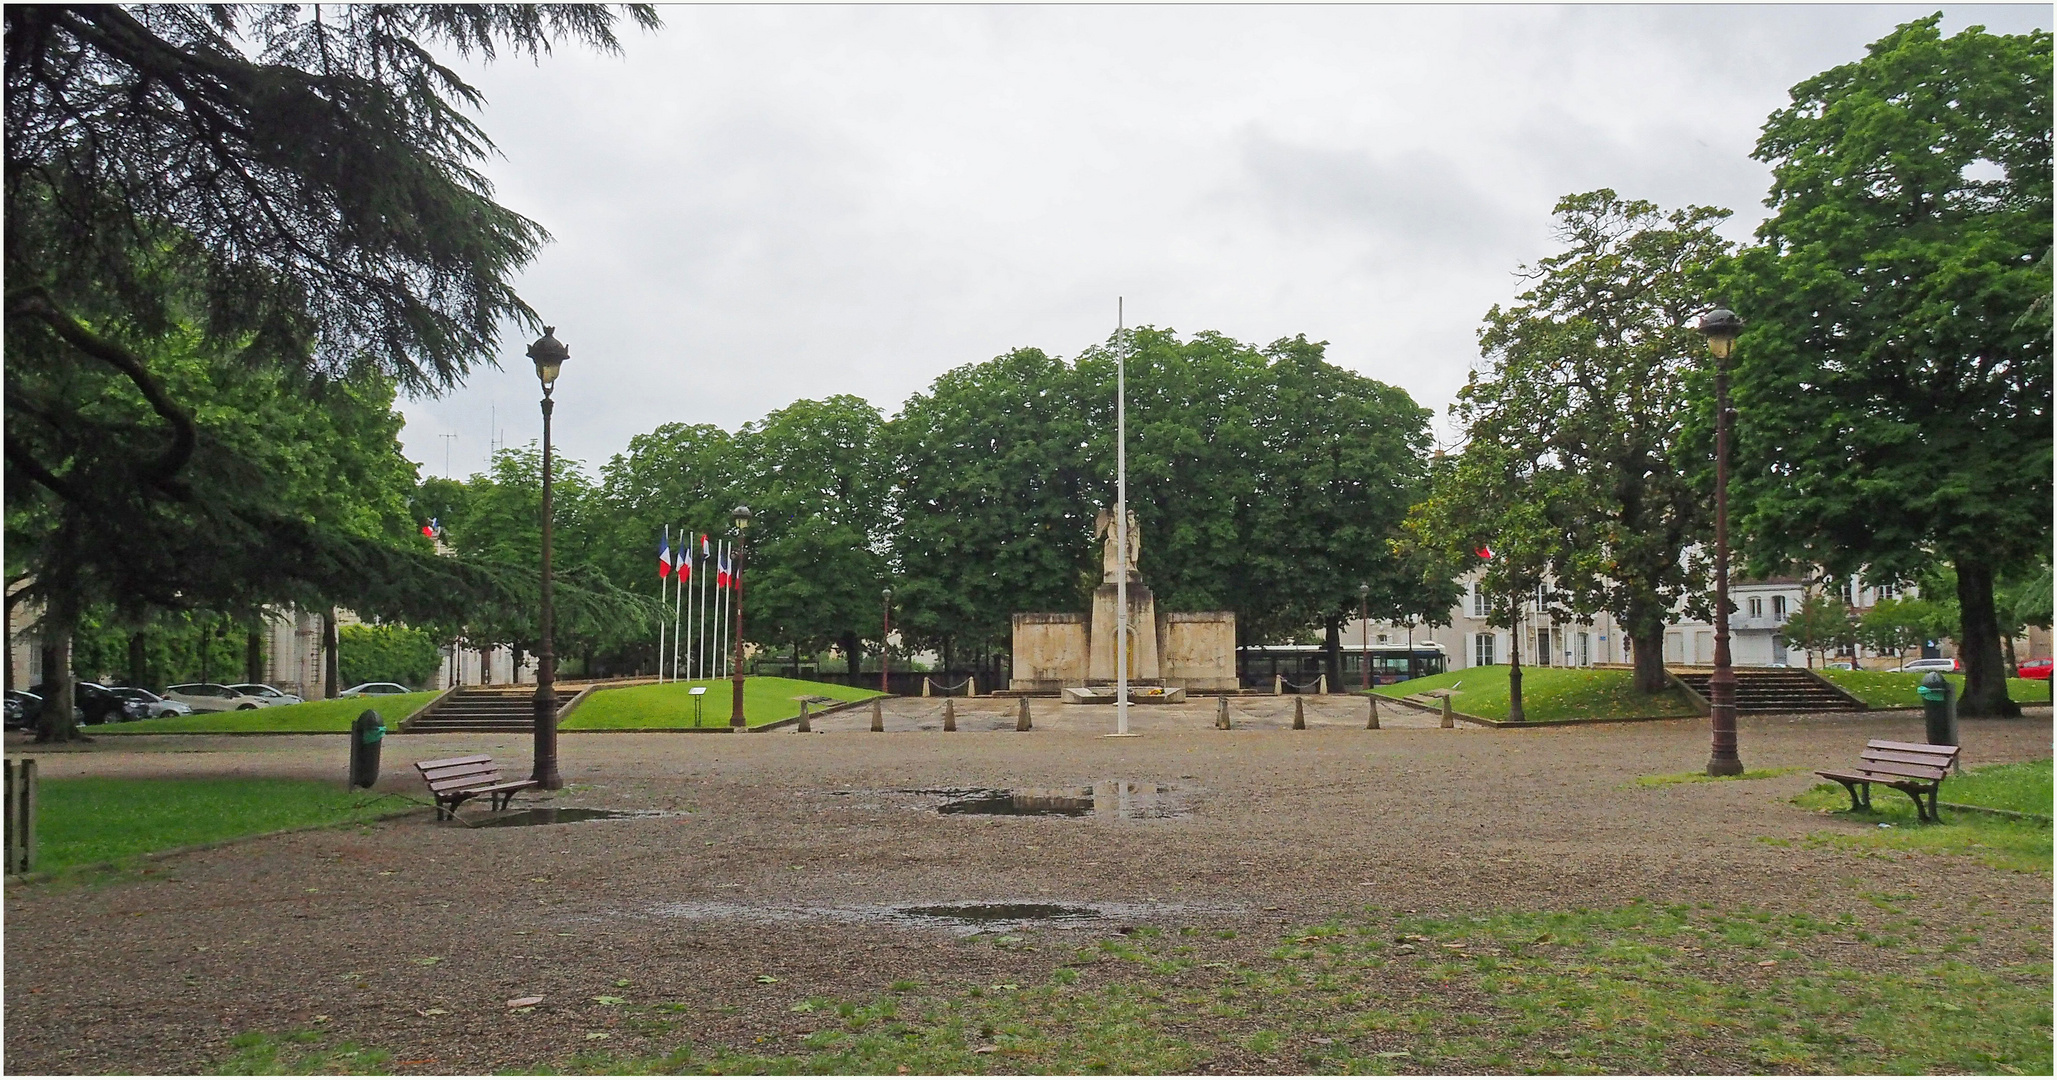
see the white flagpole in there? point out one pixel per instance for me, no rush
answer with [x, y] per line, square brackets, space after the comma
[678, 599]
[1121, 519]
[727, 605]
[720, 656]
[661, 583]
[689, 612]
[706, 624]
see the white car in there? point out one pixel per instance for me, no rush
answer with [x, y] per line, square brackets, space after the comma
[270, 695]
[154, 707]
[1938, 663]
[375, 689]
[213, 697]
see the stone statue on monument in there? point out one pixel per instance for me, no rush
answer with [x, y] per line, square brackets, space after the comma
[1113, 560]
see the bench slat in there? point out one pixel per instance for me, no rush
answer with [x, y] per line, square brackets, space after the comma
[1911, 772]
[459, 770]
[1940, 761]
[463, 783]
[444, 763]
[1913, 747]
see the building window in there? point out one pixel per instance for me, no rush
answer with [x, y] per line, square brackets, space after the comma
[1884, 592]
[1478, 602]
[1756, 606]
[1778, 607]
[1481, 649]
[1383, 639]
[35, 651]
[1585, 649]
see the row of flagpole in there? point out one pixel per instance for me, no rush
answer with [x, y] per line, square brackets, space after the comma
[699, 643]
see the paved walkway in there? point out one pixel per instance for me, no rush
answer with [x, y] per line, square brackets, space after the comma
[1264, 713]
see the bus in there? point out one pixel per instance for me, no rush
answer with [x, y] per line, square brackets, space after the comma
[1302, 665]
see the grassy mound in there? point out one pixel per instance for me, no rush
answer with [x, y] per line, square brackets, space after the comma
[100, 819]
[766, 700]
[1548, 693]
[312, 717]
[1895, 689]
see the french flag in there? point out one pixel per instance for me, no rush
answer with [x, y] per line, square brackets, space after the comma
[683, 564]
[664, 560]
[721, 572]
[1485, 551]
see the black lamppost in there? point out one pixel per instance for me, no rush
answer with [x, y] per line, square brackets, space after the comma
[1721, 327]
[741, 514]
[885, 641]
[1364, 631]
[549, 355]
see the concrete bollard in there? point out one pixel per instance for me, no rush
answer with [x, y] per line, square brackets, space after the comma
[804, 725]
[1221, 719]
[1021, 718]
[1449, 714]
[949, 714]
[878, 715]
[1321, 685]
[1278, 685]
[924, 686]
[1372, 723]
[1299, 713]
[971, 686]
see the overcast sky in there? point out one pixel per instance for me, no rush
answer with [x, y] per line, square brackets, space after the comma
[760, 204]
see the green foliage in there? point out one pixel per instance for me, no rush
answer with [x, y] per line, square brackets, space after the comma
[97, 819]
[1893, 388]
[766, 699]
[1896, 624]
[307, 718]
[387, 654]
[1548, 693]
[1667, 779]
[1820, 624]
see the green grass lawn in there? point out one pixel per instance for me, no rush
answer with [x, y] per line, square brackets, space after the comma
[310, 717]
[668, 705]
[1548, 693]
[1638, 989]
[2003, 843]
[1894, 689]
[99, 819]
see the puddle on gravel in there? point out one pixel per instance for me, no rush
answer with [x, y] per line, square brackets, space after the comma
[1007, 913]
[558, 815]
[1107, 799]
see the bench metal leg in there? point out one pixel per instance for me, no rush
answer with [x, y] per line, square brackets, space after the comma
[1858, 803]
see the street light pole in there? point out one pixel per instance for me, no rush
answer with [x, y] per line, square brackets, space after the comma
[1364, 631]
[549, 355]
[736, 720]
[885, 642]
[1721, 327]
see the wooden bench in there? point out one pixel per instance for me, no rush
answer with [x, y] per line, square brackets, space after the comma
[1915, 768]
[453, 780]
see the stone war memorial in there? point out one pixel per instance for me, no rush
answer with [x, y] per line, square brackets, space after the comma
[1169, 653]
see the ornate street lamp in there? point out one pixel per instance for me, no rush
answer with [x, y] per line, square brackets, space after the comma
[549, 355]
[1364, 631]
[741, 515]
[1721, 327]
[885, 641]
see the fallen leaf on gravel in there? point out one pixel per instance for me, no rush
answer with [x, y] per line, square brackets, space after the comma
[986, 1050]
[524, 1002]
[621, 982]
[1394, 1053]
[429, 961]
[596, 1034]
[1007, 986]
[609, 999]
[321, 1019]
[431, 1012]
[1767, 963]
[766, 979]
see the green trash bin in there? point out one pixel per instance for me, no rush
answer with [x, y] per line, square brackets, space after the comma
[366, 733]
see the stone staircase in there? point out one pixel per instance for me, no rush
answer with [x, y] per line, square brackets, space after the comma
[480, 708]
[1775, 690]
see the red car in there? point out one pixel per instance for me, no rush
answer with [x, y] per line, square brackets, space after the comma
[2035, 669]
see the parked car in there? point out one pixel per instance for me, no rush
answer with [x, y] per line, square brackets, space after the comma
[213, 697]
[154, 707]
[2035, 669]
[92, 703]
[23, 708]
[272, 695]
[375, 689]
[1940, 663]
[1839, 665]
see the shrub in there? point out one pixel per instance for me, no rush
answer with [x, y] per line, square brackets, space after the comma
[387, 654]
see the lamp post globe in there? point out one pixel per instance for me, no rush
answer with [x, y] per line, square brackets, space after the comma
[549, 355]
[741, 517]
[1722, 327]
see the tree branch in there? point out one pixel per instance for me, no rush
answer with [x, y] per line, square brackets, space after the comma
[161, 474]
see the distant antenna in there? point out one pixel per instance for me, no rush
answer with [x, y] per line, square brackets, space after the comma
[447, 441]
[493, 433]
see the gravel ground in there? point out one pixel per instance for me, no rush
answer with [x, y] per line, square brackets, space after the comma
[784, 854]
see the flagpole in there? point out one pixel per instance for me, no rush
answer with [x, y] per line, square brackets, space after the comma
[721, 629]
[1121, 519]
[678, 599]
[689, 614]
[662, 581]
[705, 629]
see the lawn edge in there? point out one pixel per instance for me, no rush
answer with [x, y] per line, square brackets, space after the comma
[37, 876]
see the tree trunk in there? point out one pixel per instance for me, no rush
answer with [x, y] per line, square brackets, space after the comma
[253, 657]
[331, 653]
[207, 651]
[1332, 652]
[1514, 712]
[1648, 648]
[138, 660]
[1978, 645]
[852, 658]
[55, 724]
[2013, 664]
